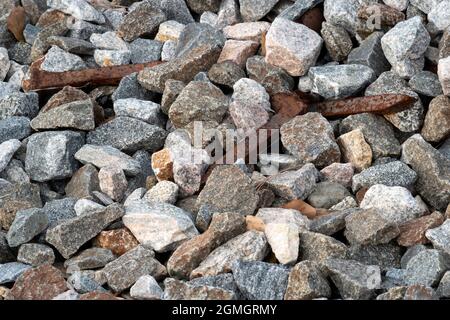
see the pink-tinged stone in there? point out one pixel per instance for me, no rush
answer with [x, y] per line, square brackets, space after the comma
[355, 149]
[292, 46]
[247, 31]
[250, 104]
[339, 172]
[444, 75]
[238, 51]
[113, 182]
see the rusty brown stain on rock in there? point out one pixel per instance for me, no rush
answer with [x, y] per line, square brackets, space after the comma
[16, 22]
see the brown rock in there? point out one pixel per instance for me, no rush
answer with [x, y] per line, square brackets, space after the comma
[387, 15]
[355, 149]
[306, 282]
[42, 283]
[66, 95]
[119, 241]
[339, 172]
[437, 121]
[162, 165]
[50, 17]
[420, 292]
[188, 256]
[313, 19]
[413, 232]
[16, 22]
[98, 296]
[83, 182]
[150, 182]
[238, 51]
[300, 205]
[360, 194]
[254, 223]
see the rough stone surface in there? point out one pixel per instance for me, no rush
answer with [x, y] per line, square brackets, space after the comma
[310, 138]
[123, 272]
[119, 241]
[71, 234]
[146, 288]
[355, 149]
[35, 254]
[432, 168]
[426, 83]
[50, 155]
[327, 194]
[439, 237]
[58, 60]
[306, 282]
[26, 225]
[9, 272]
[425, 268]
[413, 232]
[444, 74]
[291, 46]
[161, 226]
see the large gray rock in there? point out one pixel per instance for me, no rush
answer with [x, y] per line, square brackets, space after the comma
[254, 10]
[229, 189]
[395, 204]
[260, 280]
[408, 120]
[146, 288]
[426, 268]
[71, 234]
[391, 174]
[440, 237]
[310, 138]
[404, 46]
[78, 115]
[250, 246]
[9, 272]
[432, 168]
[58, 60]
[354, 280]
[7, 151]
[328, 194]
[161, 226]
[340, 81]
[19, 104]
[123, 272]
[195, 35]
[377, 132]
[198, 101]
[27, 224]
[35, 254]
[50, 155]
[14, 128]
[128, 134]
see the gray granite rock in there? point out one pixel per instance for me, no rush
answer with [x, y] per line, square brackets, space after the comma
[395, 204]
[370, 53]
[254, 10]
[128, 134]
[7, 151]
[146, 288]
[19, 104]
[26, 225]
[68, 236]
[200, 6]
[145, 50]
[408, 120]
[5, 252]
[310, 138]
[291, 185]
[439, 237]
[35, 254]
[204, 101]
[84, 282]
[426, 83]
[432, 168]
[147, 111]
[9, 272]
[144, 19]
[294, 11]
[161, 226]
[404, 47]
[319, 247]
[340, 81]
[443, 291]
[176, 10]
[337, 40]
[439, 16]
[426, 268]
[91, 258]
[78, 115]
[342, 13]
[229, 189]
[72, 45]
[108, 58]
[354, 280]
[108, 41]
[377, 132]
[79, 9]
[196, 35]
[391, 174]
[14, 128]
[123, 272]
[385, 256]
[226, 73]
[410, 253]
[332, 222]
[180, 290]
[307, 282]
[250, 246]
[436, 125]
[369, 227]
[129, 87]
[327, 194]
[103, 156]
[58, 60]
[50, 155]
[273, 79]
[59, 210]
[260, 280]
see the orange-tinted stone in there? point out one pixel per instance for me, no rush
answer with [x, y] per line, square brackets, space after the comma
[118, 241]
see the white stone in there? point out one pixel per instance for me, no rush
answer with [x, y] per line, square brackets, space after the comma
[444, 75]
[439, 16]
[395, 204]
[108, 40]
[147, 111]
[86, 206]
[163, 191]
[108, 58]
[79, 9]
[169, 30]
[7, 150]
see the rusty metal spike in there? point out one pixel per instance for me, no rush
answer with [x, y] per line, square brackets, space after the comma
[380, 104]
[43, 80]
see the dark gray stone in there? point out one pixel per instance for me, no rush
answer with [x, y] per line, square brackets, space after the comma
[128, 134]
[14, 128]
[19, 104]
[426, 83]
[195, 35]
[260, 280]
[60, 210]
[327, 194]
[145, 50]
[50, 155]
[91, 258]
[384, 255]
[35, 254]
[26, 225]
